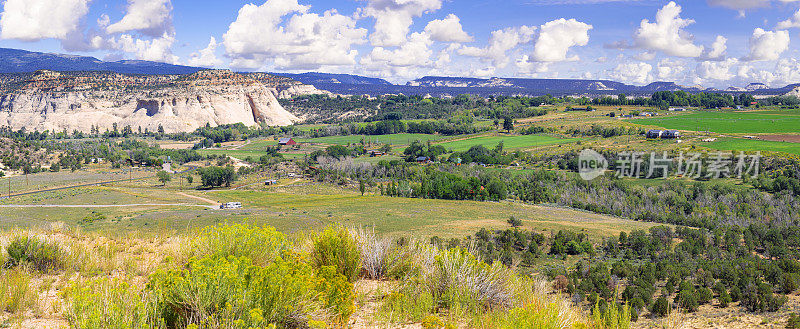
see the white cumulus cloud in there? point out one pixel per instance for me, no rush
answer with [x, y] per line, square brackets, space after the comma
[666, 34]
[793, 21]
[638, 73]
[718, 48]
[206, 57]
[156, 49]
[448, 29]
[415, 52]
[767, 45]
[33, 20]
[393, 18]
[670, 70]
[150, 17]
[284, 33]
[557, 37]
[500, 42]
[716, 70]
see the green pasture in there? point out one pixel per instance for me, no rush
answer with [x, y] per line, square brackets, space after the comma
[509, 142]
[759, 122]
[739, 144]
[394, 139]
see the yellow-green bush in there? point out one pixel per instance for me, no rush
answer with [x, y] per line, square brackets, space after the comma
[547, 316]
[410, 303]
[16, 294]
[336, 293]
[40, 254]
[259, 244]
[108, 303]
[613, 316]
[337, 248]
[216, 292]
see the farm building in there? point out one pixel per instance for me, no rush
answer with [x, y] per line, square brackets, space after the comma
[671, 134]
[654, 134]
[270, 182]
[375, 153]
[286, 141]
[663, 134]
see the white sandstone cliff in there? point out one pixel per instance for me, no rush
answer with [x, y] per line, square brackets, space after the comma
[179, 108]
[293, 91]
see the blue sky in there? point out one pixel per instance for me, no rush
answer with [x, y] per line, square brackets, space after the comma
[713, 43]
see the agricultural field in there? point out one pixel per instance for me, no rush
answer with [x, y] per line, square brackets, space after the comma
[750, 145]
[394, 139]
[751, 122]
[509, 142]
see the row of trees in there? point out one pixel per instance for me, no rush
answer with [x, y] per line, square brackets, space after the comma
[666, 99]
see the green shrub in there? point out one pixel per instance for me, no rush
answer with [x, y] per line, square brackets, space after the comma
[40, 254]
[793, 322]
[16, 294]
[231, 292]
[107, 303]
[704, 295]
[724, 299]
[661, 307]
[337, 248]
[93, 217]
[260, 244]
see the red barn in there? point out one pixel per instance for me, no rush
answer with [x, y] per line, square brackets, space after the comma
[287, 141]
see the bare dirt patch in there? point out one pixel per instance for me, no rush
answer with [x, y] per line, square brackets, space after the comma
[733, 317]
[781, 138]
[177, 146]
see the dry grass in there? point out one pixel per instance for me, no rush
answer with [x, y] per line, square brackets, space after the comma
[375, 252]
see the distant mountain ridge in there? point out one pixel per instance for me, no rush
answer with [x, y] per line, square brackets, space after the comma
[547, 85]
[22, 61]
[314, 78]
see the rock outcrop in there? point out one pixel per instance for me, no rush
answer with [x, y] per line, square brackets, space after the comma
[293, 91]
[181, 105]
[794, 92]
